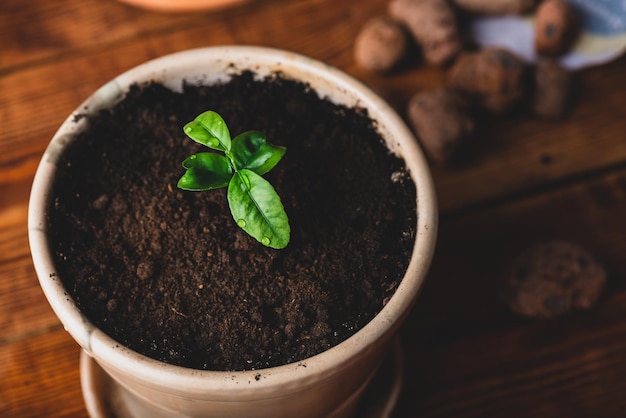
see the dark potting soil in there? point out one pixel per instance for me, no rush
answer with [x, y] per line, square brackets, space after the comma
[169, 274]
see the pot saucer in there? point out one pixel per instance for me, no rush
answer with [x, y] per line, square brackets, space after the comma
[104, 398]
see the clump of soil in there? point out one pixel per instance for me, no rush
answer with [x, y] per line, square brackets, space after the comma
[169, 274]
[553, 278]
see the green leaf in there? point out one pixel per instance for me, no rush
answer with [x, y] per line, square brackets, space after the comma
[209, 129]
[196, 180]
[252, 151]
[205, 171]
[257, 209]
[209, 161]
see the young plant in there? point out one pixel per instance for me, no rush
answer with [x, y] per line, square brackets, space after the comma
[254, 204]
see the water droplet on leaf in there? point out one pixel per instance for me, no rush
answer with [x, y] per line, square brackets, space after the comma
[241, 223]
[265, 241]
[188, 129]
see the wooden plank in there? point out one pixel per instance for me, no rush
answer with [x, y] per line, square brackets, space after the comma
[481, 244]
[40, 30]
[570, 367]
[26, 312]
[472, 357]
[40, 377]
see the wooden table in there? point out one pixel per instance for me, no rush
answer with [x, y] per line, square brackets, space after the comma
[524, 180]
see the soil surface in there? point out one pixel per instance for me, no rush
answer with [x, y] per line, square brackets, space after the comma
[169, 274]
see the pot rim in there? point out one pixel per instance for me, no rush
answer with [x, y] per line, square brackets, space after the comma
[324, 79]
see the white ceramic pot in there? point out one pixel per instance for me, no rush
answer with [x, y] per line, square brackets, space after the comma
[332, 382]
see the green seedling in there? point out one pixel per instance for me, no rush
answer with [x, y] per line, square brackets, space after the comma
[254, 204]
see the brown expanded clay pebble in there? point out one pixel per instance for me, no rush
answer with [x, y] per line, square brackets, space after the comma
[551, 92]
[381, 45]
[433, 25]
[441, 122]
[552, 279]
[496, 7]
[556, 27]
[495, 77]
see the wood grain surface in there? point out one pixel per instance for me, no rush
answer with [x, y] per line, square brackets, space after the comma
[524, 180]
